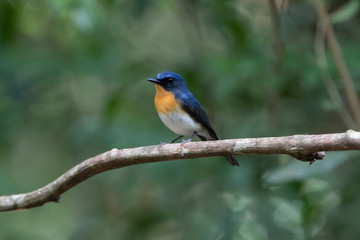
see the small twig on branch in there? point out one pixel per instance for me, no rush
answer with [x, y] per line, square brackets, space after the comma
[303, 147]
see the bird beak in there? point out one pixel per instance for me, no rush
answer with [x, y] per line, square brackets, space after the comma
[153, 80]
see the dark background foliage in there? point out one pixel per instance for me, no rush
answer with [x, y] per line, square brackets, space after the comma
[73, 84]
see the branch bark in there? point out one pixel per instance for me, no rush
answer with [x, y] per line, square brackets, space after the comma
[303, 147]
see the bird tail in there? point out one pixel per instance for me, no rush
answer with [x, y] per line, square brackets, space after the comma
[230, 158]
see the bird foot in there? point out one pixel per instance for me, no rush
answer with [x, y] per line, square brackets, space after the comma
[183, 142]
[161, 144]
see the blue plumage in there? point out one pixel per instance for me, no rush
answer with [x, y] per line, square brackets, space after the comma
[189, 118]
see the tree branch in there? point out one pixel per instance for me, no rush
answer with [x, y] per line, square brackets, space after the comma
[339, 61]
[303, 147]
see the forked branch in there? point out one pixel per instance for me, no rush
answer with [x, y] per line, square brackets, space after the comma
[303, 147]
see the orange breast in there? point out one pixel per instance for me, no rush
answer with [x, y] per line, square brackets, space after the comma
[165, 101]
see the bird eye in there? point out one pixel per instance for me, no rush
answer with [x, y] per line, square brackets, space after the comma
[170, 80]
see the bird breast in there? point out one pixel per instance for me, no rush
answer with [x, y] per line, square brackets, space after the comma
[165, 101]
[173, 116]
[180, 122]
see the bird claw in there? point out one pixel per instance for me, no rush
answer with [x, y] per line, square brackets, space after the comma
[183, 142]
[161, 144]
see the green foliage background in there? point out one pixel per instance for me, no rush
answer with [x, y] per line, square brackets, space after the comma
[73, 84]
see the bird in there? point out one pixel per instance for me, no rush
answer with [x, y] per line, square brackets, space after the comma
[180, 111]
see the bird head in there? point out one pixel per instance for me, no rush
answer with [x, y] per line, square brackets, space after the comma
[170, 81]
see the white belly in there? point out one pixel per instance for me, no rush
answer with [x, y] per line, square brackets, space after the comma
[182, 124]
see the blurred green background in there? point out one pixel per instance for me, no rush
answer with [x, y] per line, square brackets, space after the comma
[73, 85]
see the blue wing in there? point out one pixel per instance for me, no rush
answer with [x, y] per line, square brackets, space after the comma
[194, 109]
